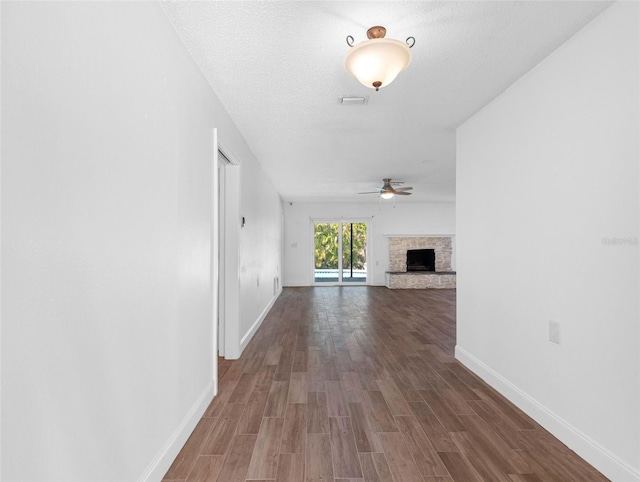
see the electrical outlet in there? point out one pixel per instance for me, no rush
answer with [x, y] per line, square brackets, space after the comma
[554, 332]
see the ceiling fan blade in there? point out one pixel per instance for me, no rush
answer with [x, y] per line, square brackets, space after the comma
[388, 188]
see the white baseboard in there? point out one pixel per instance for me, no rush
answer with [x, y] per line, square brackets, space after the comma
[244, 341]
[167, 454]
[595, 454]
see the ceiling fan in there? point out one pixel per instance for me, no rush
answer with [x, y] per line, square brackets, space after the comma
[387, 191]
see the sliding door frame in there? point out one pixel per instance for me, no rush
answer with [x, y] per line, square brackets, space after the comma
[340, 221]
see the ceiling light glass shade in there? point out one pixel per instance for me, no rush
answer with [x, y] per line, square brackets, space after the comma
[386, 195]
[377, 62]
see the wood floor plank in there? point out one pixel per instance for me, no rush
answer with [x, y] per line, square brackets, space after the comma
[343, 362]
[183, 463]
[243, 388]
[519, 419]
[290, 468]
[277, 401]
[375, 467]
[469, 379]
[484, 464]
[343, 448]
[455, 402]
[225, 389]
[459, 467]
[223, 366]
[283, 370]
[409, 392]
[402, 466]
[461, 389]
[381, 363]
[314, 357]
[382, 418]
[299, 361]
[525, 478]
[442, 410]
[336, 403]
[218, 440]
[315, 380]
[556, 459]
[431, 426]
[394, 398]
[298, 388]
[331, 373]
[317, 413]
[318, 463]
[272, 357]
[207, 468]
[236, 463]
[356, 396]
[295, 429]
[264, 461]
[264, 378]
[254, 362]
[499, 424]
[253, 413]
[420, 447]
[367, 375]
[234, 372]
[492, 446]
[366, 438]
[350, 381]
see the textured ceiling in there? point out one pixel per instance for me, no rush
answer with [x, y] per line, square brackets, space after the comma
[277, 68]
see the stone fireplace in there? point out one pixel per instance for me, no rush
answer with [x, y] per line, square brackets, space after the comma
[403, 276]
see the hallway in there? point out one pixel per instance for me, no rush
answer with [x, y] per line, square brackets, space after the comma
[359, 384]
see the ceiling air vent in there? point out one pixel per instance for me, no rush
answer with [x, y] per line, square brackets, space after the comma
[352, 100]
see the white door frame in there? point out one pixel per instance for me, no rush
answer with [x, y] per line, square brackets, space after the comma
[215, 232]
[225, 252]
[221, 168]
[230, 278]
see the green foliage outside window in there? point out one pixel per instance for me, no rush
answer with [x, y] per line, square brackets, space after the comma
[326, 245]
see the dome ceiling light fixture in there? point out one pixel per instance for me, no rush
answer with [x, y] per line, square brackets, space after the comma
[377, 61]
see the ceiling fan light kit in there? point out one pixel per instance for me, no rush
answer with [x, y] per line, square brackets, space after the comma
[387, 191]
[378, 61]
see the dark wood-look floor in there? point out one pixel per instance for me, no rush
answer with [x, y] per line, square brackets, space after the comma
[359, 384]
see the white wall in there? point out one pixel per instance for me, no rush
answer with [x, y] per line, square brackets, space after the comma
[547, 175]
[384, 219]
[260, 249]
[107, 331]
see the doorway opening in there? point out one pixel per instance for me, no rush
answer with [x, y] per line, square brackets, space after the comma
[340, 252]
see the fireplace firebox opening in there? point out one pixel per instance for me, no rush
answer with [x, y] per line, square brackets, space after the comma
[421, 260]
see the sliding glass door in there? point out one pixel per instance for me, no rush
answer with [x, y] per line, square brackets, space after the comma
[340, 252]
